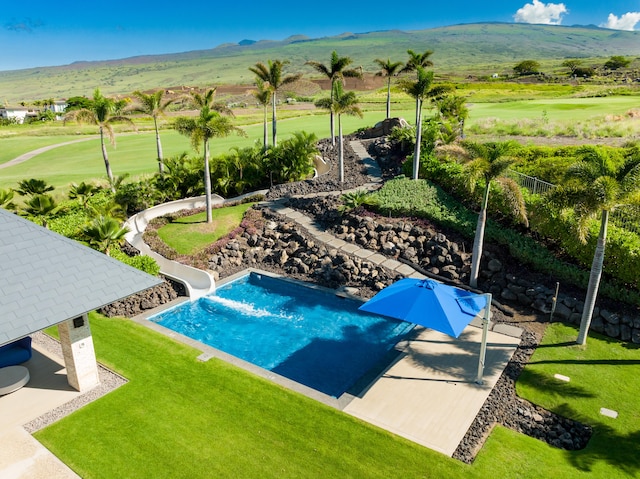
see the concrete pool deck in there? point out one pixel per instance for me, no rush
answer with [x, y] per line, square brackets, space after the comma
[428, 395]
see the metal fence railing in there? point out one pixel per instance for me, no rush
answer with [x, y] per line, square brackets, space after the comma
[627, 218]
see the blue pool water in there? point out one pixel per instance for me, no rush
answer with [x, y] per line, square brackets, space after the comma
[310, 336]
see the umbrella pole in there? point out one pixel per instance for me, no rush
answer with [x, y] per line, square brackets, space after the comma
[485, 331]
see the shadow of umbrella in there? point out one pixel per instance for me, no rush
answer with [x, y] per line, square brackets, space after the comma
[434, 305]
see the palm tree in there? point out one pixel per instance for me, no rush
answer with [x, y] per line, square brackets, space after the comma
[341, 103]
[33, 186]
[208, 124]
[154, 106]
[82, 192]
[336, 71]
[388, 69]
[271, 74]
[102, 113]
[419, 90]
[5, 199]
[263, 95]
[42, 206]
[597, 185]
[489, 161]
[103, 232]
[415, 61]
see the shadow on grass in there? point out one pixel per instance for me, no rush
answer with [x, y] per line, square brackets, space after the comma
[619, 451]
[550, 385]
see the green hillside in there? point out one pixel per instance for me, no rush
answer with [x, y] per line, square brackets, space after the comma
[463, 49]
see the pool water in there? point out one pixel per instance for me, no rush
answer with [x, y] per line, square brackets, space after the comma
[310, 336]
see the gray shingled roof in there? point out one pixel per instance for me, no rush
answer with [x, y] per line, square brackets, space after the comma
[46, 278]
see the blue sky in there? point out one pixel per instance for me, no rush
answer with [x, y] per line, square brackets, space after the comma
[45, 32]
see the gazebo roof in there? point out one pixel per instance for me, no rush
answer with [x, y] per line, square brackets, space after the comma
[46, 278]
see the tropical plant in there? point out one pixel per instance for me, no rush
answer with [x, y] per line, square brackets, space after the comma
[83, 192]
[356, 199]
[292, 160]
[489, 161]
[42, 206]
[335, 71]
[453, 108]
[272, 75]
[102, 112]
[388, 69]
[6, 195]
[341, 103]
[153, 105]
[263, 95]
[32, 187]
[103, 232]
[419, 90]
[597, 185]
[207, 125]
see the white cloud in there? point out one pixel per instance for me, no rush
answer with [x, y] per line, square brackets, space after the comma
[538, 12]
[627, 21]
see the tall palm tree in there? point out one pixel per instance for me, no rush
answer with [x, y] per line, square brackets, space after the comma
[419, 90]
[153, 105]
[341, 103]
[207, 125]
[336, 71]
[488, 162]
[103, 232]
[102, 113]
[388, 69]
[597, 185]
[417, 60]
[263, 95]
[272, 75]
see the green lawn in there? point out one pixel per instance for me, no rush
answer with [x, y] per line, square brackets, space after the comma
[136, 154]
[181, 418]
[190, 234]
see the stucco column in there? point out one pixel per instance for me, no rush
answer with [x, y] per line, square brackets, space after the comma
[79, 354]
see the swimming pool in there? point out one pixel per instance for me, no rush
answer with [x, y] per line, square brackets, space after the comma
[305, 334]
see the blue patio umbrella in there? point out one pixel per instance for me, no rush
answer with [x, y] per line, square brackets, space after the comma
[433, 305]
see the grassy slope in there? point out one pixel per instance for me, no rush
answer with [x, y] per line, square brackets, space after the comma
[190, 234]
[476, 48]
[179, 417]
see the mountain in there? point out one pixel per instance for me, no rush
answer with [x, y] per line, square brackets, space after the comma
[463, 49]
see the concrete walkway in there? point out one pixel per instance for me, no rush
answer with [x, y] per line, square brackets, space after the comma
[30, 154]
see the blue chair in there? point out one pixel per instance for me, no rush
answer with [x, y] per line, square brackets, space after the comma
[16, 352]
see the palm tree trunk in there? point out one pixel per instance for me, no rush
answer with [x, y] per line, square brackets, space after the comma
[273, 120]
[207, 182]
[331, 119]
[265, 130]
[594, 279]
[340, 152]
[416, 151]
[389, 98]
[158, 146]
[105, 157]
[478, 240]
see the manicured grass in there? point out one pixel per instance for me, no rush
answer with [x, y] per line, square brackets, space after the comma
[182, 418]
[190, 234]
[135, 153]
[604, 374]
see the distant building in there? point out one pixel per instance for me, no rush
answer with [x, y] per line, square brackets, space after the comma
[59, 107]
[17, 113]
